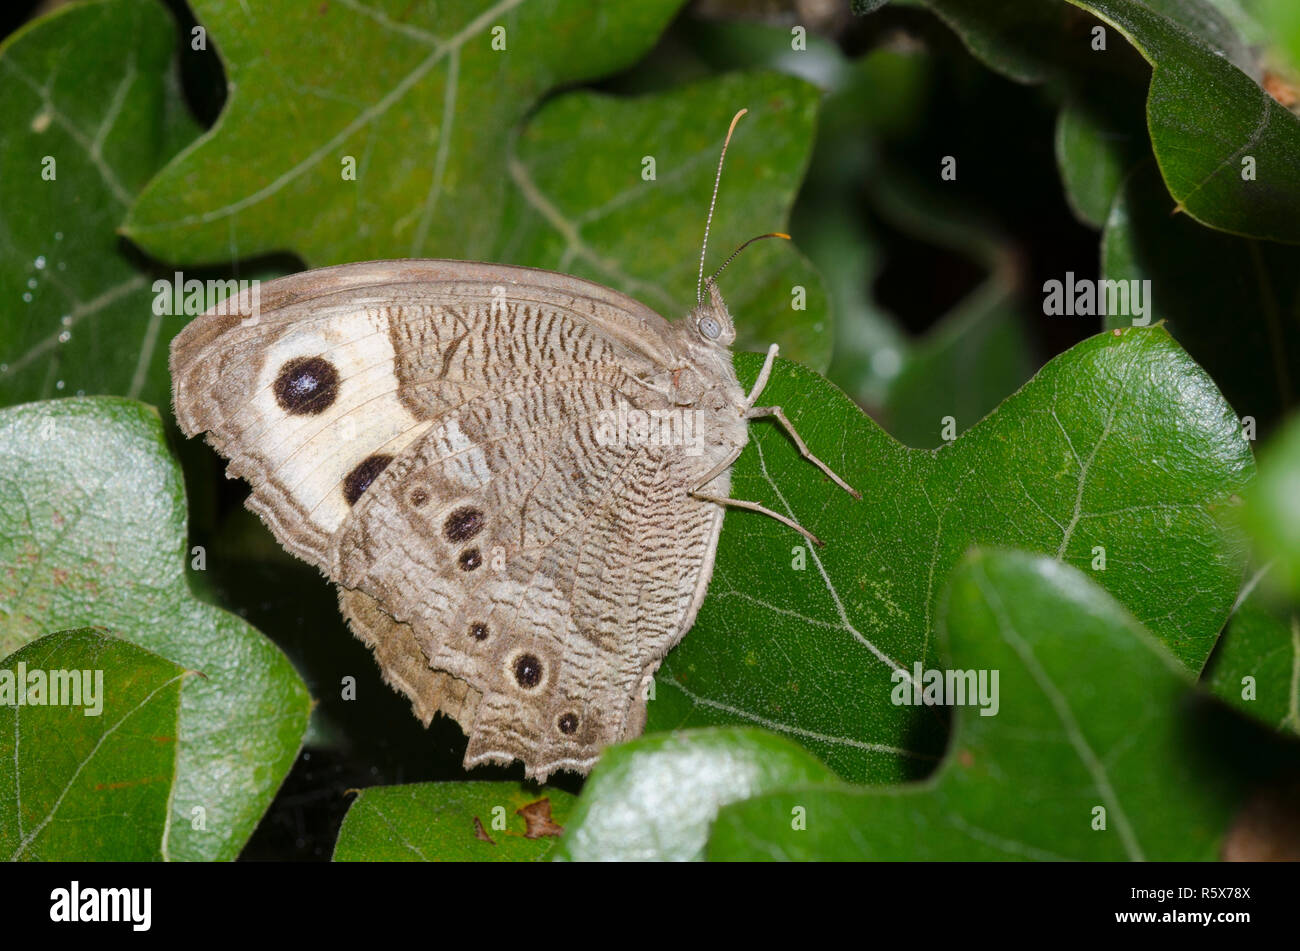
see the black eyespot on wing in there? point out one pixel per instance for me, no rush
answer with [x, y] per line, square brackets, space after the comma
[528, 671]
[479, 631]
[306, 386]
[359, 479]
[568, 723]
[470, 559]
[463, 524]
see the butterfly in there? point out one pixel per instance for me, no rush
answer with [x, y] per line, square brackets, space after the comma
[516, 478]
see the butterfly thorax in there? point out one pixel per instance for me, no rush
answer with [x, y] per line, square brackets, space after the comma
[706, 380]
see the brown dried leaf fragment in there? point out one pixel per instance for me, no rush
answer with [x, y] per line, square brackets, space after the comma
[538, 817]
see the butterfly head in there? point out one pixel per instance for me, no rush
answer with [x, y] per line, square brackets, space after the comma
[712, 321]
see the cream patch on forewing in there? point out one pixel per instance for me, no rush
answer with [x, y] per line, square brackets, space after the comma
[312, 454]
[465, 461]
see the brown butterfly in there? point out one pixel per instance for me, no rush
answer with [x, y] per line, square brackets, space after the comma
[517, 478]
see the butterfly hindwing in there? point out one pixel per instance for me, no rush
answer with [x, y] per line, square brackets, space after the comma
[405, 667]
[547, 569]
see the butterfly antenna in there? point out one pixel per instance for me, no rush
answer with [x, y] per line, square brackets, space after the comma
[771, 234]
[699, 287]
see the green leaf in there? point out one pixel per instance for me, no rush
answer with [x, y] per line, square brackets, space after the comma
[1241, 324]
[1096, 147]
[1273, 512]
[1205, 108]
[86, 776]
[1256, 665]
[963, 368]
[1022, 39]
[422, 102]
[1122, 442]
[431, 114]
[448, 822]
[1205, 115]
[654, 798]
[1092, 714]
[1037, 40]
[92, 532]
[77, 312]
[1220, 25]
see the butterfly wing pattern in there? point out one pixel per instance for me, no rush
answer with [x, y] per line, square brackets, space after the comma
[496, 466]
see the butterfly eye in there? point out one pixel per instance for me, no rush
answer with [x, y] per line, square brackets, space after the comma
[710, 329]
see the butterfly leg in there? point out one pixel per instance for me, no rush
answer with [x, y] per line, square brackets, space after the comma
[755, 507]
[761, 383]
[778, 414]
[743, 504]
[754, 412]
